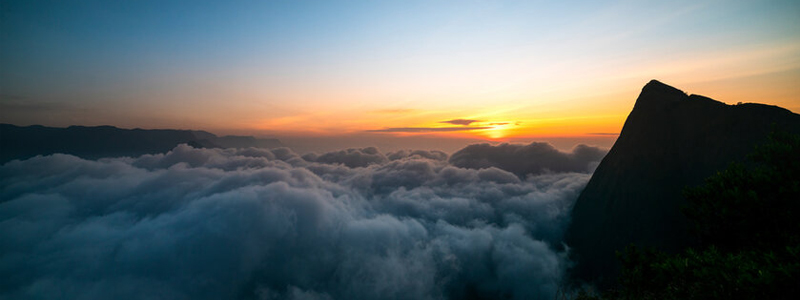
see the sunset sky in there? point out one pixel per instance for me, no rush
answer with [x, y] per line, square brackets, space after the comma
[479, 69]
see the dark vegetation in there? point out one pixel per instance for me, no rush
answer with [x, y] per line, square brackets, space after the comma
[746, 221]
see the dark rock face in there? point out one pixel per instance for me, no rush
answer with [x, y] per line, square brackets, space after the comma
[669, 141]
[107, 141]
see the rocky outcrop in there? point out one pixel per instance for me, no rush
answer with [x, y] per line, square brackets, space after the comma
[670, 140]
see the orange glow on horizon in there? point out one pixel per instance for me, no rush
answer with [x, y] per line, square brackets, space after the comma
[482, 129]
[585, 108]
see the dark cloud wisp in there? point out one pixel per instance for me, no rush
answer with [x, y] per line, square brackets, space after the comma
[430, 129]
[465, 122]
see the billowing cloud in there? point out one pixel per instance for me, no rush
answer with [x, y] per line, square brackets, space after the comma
[351, 157]
[536, 158]
[464, 122]
[434, 155]
[270, 224]
[429, 129]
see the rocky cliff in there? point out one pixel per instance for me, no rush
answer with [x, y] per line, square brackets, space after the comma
[670, 140]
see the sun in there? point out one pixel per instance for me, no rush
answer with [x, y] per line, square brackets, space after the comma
[497, 132]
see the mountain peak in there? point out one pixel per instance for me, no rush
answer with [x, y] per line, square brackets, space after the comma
[656, 94]
[655, 86]
[669, 141]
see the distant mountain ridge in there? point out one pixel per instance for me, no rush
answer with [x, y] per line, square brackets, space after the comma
[17, 142]
[670, 140]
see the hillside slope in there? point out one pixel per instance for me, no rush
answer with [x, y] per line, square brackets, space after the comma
[18, 142]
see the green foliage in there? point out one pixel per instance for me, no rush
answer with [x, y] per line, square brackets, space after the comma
[709, 274]
[746, 218]
[751, 206]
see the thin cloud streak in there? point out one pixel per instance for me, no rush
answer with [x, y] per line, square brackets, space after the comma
[464, 122]
[428, 129]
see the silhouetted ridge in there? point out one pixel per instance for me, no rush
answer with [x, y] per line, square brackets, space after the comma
[107, 141]
[656, 88]
[669, 141]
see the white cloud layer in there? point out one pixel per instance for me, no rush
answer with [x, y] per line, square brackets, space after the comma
[535, 158]
[270, 224]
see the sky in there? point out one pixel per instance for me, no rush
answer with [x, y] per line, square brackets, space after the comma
[480, 70]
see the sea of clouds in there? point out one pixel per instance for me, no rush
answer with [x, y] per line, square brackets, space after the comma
[271, 224]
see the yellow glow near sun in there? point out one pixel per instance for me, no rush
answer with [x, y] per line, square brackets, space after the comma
[498, 130]
[496, 133]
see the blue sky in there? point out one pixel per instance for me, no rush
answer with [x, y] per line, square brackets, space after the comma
[322, 67]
